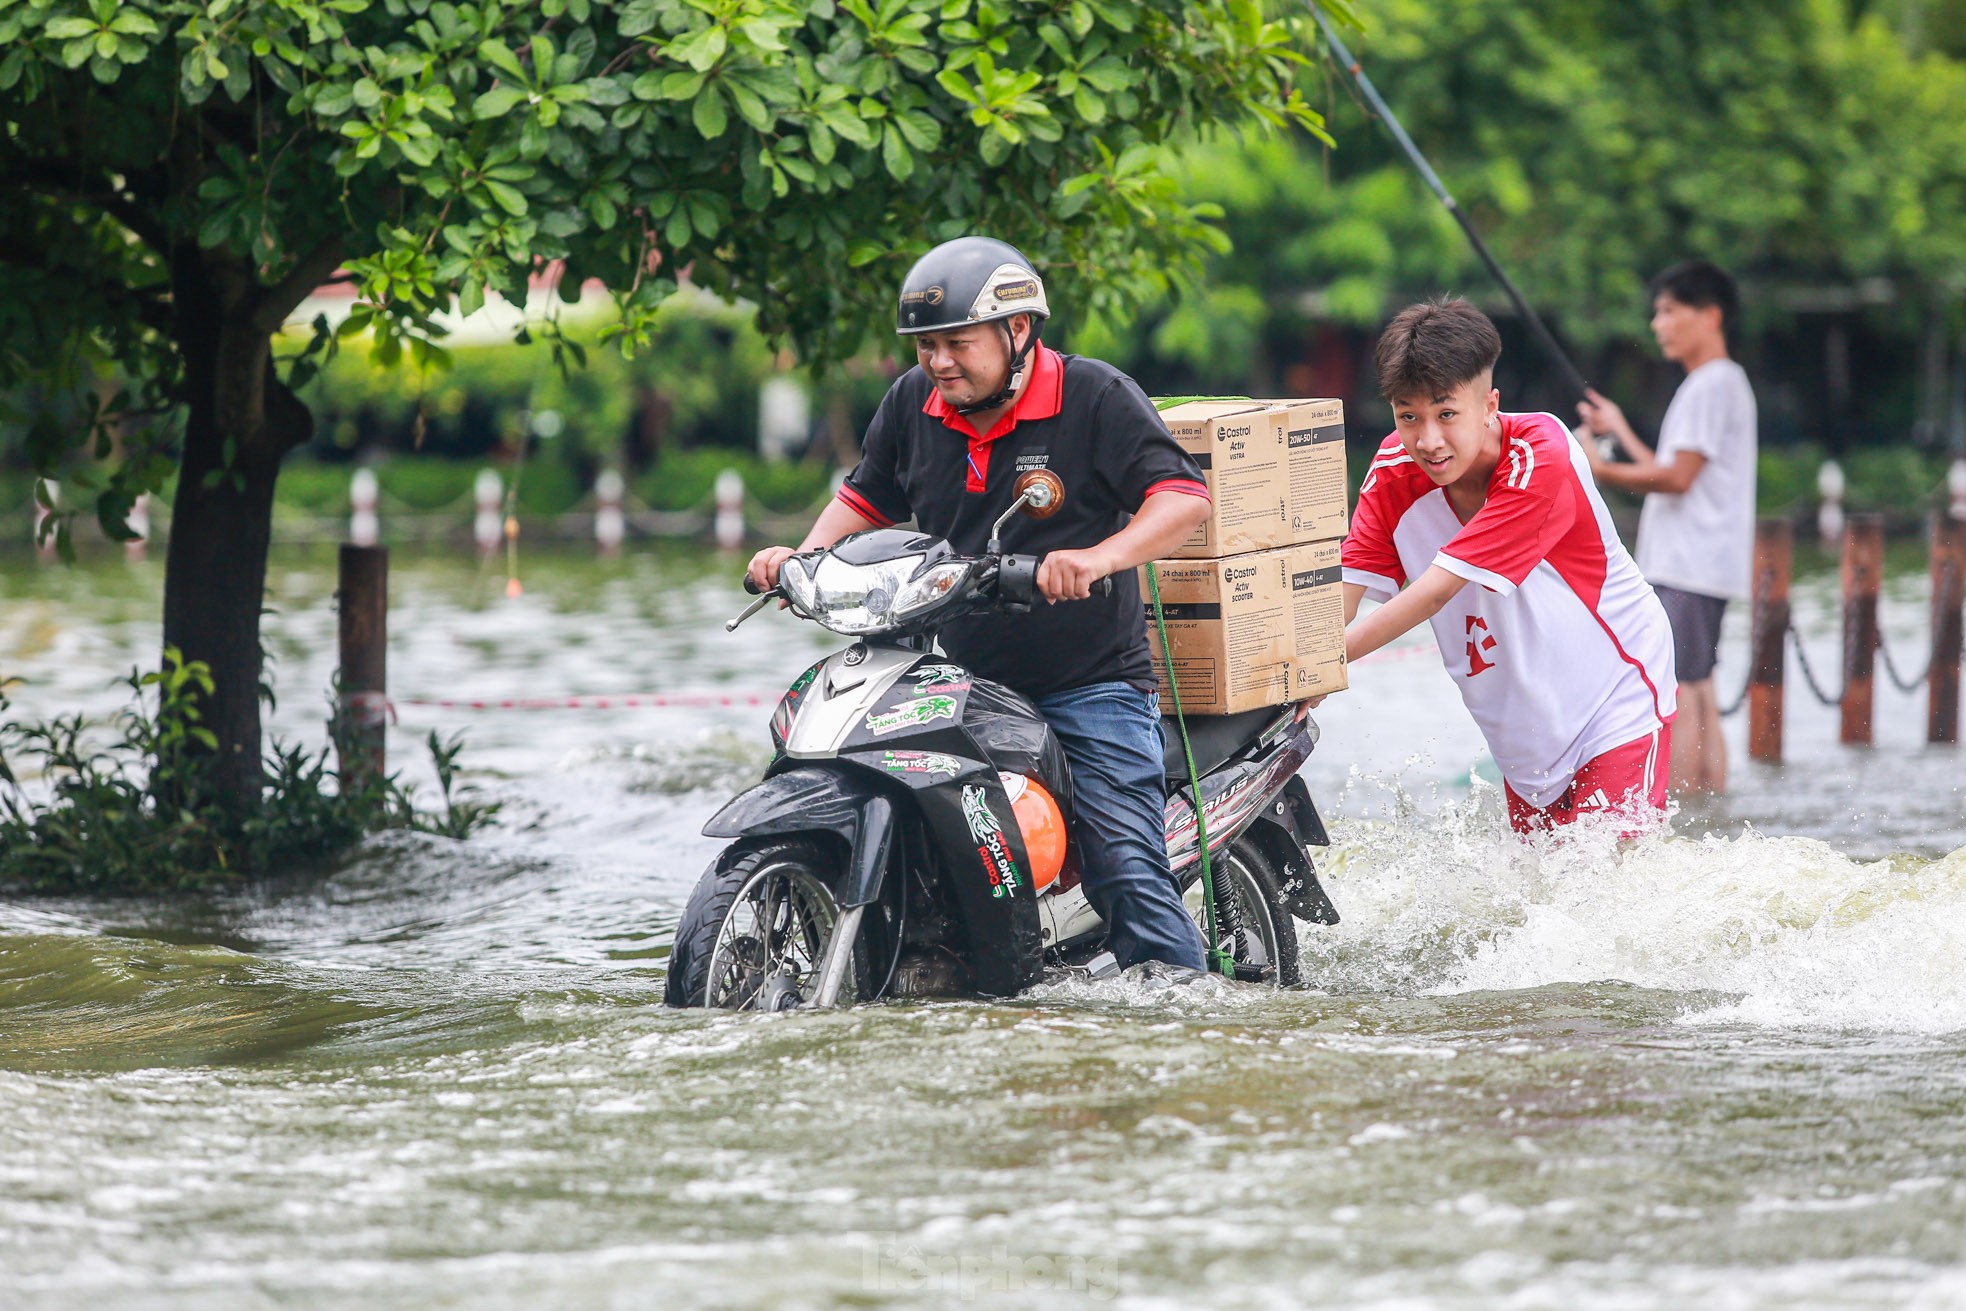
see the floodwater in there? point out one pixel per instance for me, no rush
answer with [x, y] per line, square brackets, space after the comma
[1724, 1068]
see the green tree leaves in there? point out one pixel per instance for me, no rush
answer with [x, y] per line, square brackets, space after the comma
[445, 149]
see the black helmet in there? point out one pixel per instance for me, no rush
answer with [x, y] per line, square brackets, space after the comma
[974, 280]
[968, 280]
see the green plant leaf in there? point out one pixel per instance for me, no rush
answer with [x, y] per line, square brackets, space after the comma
[709, 113]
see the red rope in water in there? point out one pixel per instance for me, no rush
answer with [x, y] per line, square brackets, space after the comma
[631, 701]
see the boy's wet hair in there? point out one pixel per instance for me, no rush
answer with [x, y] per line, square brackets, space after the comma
[1431, 348]
[1700, 284]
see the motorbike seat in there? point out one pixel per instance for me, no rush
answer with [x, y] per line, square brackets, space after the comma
[1215, 738]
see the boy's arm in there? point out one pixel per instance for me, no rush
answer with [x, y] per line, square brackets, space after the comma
[1416, 603]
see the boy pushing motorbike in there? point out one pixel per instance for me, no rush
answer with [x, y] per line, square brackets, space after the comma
[1488, 526]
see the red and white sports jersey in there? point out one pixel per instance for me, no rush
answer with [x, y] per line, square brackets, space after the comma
[1562, 651]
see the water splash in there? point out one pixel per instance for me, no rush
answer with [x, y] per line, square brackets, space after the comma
[1789, 931]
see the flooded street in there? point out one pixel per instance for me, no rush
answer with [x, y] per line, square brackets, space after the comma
[1723, 1068]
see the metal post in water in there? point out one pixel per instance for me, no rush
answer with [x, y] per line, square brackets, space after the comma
[609, 527]
[1863, 570]
[1774, 549]
[486, 529]
[139, 522]
[1948, 596]
[1830, 484]
[363, 600]
[47, 496]
[363, 493]
[729, 527]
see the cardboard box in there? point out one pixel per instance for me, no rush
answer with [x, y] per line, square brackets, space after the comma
[1250, 630]
[1275, 470]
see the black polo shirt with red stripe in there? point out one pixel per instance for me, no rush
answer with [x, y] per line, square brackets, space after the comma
[1094, 428]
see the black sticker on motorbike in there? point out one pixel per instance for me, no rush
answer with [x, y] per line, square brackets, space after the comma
[991, 849]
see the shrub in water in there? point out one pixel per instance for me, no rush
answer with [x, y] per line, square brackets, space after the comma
[142, 813]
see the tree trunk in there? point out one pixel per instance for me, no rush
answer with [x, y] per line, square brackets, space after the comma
[241, 421]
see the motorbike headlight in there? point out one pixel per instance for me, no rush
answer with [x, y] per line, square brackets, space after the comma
[930, 586]
[858, 598]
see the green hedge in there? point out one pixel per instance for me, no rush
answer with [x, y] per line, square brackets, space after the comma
[1893, 479]
[687, 479]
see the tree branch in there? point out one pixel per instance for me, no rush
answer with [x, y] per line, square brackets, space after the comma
[53, 182]
[150, 304]
[276, 302]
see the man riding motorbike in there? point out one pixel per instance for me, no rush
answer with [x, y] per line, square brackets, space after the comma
[987, 408]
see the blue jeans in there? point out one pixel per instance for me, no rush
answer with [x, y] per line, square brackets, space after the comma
[1111, 734]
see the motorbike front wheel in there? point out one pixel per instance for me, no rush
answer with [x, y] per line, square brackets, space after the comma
[754, 933]
[1251, 922]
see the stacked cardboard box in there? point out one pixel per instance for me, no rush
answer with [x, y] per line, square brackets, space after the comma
[1253, 602]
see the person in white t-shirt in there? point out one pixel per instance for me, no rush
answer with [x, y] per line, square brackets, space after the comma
[1488, 526]
[1696, 532]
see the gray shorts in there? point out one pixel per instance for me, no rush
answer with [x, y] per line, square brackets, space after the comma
[1695, 623]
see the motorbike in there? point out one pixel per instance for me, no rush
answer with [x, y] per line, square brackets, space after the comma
[911, 835]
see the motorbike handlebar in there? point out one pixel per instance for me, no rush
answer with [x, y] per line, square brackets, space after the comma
[751, 588]
[1017, 580]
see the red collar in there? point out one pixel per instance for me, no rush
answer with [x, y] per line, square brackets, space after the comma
[1041, 398]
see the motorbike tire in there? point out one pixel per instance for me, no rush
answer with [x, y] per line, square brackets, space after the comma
[1253, 880]
[808, 867]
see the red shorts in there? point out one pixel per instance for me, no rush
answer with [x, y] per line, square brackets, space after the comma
[1629, 779]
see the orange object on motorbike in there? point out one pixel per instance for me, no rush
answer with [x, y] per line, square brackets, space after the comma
[1042, 824]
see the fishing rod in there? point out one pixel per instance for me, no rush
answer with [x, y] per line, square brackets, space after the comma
[1379, 107]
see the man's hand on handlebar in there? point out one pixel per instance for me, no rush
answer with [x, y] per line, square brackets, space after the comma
[1070, 575]
[763, 569]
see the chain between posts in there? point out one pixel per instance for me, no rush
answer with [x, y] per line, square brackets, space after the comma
[1728, 712]
[1809, 674]
[1891, 669]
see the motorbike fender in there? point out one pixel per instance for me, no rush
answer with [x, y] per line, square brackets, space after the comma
[811, 800]
[1300, 814]
[989, 872]
[1283, 831]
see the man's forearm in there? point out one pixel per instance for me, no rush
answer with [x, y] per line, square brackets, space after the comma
[1628, 477]
[1164, 522]
[1650, 475]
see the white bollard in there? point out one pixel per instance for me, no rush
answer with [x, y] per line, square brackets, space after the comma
[140, 525]
[784, 418]
[1956, 484]
[609, 527]
[42, 513]
[1829, 518]
[730, 509]
[363, 525]
[487, 528]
